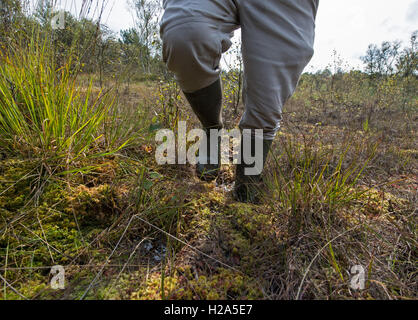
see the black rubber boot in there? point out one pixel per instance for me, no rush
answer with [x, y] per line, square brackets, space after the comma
[247, 188]
[207, 105]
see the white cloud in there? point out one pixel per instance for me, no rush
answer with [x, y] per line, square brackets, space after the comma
[412, 14]
[349, 27]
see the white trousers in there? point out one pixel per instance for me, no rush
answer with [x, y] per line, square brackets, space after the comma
[277, 44]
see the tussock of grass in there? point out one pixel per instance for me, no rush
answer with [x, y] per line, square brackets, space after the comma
[45, 116]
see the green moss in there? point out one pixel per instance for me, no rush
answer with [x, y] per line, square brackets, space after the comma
[93, 206]
[30, 288]
[14, 187]
[379, 204]
[183, 285]
[52, 232]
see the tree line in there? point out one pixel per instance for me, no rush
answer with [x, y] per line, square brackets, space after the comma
[133, 54]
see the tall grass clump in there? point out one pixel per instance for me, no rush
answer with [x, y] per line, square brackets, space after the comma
[45, 115]
[319, 194]
[312, 181]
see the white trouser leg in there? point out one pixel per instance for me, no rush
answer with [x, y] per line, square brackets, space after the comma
[277, 44]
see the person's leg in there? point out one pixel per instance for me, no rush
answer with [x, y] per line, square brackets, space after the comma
[195, 33]
[207, 105]
[277, 44]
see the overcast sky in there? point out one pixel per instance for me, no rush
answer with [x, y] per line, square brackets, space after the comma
[345, 26]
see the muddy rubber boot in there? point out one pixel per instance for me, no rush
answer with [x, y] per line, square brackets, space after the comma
[247, 187]
[207, 105]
